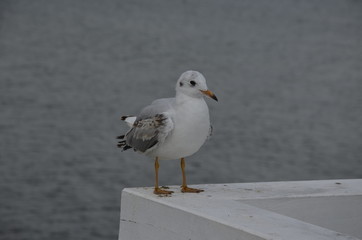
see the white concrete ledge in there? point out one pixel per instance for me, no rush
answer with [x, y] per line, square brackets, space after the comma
[329, 209]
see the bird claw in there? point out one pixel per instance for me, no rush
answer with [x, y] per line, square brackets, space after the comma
[159, 191]
[186, 189]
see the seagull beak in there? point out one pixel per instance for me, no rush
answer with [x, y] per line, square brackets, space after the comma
[209, 93]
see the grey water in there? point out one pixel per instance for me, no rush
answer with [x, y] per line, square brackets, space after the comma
[288, 75]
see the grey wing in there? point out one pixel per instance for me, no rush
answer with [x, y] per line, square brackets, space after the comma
[148, 131]
[158, 106]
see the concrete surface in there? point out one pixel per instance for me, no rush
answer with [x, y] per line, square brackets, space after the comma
[340, 213]
[328, 209]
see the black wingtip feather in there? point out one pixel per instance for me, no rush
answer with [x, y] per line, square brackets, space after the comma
[120, 137]
[126, 148]
[123, 145]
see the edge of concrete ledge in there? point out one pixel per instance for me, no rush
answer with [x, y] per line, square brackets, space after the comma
[229, 209]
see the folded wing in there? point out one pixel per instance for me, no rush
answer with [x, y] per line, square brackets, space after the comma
[147, 131]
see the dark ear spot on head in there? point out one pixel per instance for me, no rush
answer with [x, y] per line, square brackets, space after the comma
[181, 84]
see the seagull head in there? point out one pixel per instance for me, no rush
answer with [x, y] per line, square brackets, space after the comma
[193, 84]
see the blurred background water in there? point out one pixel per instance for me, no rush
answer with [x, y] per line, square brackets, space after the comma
[287, 74]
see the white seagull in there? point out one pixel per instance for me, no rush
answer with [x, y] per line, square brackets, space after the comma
[172, 128]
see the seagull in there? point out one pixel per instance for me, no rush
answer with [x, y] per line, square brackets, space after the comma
[172, 128]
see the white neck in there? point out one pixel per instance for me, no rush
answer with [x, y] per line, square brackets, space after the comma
[181, 97]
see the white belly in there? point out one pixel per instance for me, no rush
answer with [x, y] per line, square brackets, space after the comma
[191, 128]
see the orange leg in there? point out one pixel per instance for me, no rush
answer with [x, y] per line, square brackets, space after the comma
[184, 187]
[158, 190]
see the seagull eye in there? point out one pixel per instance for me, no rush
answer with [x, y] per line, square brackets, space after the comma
[193, 83]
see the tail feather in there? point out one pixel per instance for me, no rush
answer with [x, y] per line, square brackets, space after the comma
[129, 120]
[123, 144]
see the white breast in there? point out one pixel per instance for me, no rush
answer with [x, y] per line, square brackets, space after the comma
[191, 128]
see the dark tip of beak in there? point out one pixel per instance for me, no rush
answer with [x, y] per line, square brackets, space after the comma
[209, 94]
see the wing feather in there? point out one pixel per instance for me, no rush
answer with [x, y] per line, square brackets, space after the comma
[146, 133]
[150, 128]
